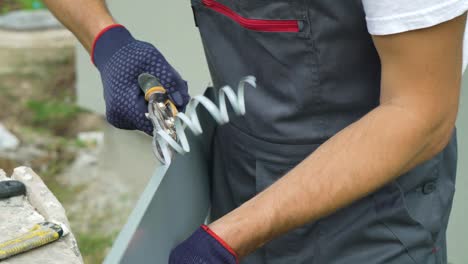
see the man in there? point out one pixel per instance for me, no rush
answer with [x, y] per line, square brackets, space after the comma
[347, 153]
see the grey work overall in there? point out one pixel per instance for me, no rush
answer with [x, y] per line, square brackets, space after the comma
[317, 72]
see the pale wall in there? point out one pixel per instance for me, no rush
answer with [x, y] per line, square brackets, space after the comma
[169, 25]
[458, 229]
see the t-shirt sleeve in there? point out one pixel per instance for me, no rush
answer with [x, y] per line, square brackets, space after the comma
[386, 17]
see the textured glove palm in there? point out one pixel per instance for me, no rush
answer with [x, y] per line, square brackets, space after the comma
[203, 247]
[121, 59]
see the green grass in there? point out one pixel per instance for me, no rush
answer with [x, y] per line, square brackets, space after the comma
[52, 111]
[10, 5]
[31, 4]
[56, 115]
[93, 247]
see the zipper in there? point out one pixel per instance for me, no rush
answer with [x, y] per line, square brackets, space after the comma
[266, 25]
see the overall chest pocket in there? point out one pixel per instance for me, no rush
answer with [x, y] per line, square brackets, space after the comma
[255, 24]
[260, 16]
[270, 40]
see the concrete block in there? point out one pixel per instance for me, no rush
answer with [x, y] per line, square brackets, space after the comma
[19, 214]
[40, 196]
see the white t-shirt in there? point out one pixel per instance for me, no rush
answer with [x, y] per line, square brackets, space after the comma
[395, 16]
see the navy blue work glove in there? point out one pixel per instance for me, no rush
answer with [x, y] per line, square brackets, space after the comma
[203, 247]
[121, 59]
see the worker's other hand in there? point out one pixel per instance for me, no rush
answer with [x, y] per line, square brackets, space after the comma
[121, 59]
[203, 247]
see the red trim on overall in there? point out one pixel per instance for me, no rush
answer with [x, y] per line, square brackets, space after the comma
[104, 30]
[266, 25]
[221, 241]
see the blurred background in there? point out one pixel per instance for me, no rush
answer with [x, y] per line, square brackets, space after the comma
[51, 117]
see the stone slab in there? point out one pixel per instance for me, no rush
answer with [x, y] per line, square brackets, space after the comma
[19, 214]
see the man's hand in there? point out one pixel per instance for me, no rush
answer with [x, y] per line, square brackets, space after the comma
[203, 247]
[121, 59]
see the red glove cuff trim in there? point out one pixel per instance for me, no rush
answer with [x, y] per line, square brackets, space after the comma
[104, 30]
[221, 241]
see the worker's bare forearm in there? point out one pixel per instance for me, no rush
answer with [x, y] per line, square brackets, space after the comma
[84, 18]
[355, 162]
[415, 121]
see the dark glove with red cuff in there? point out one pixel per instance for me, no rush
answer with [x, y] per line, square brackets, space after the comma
[203, 247]
[121, 59]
